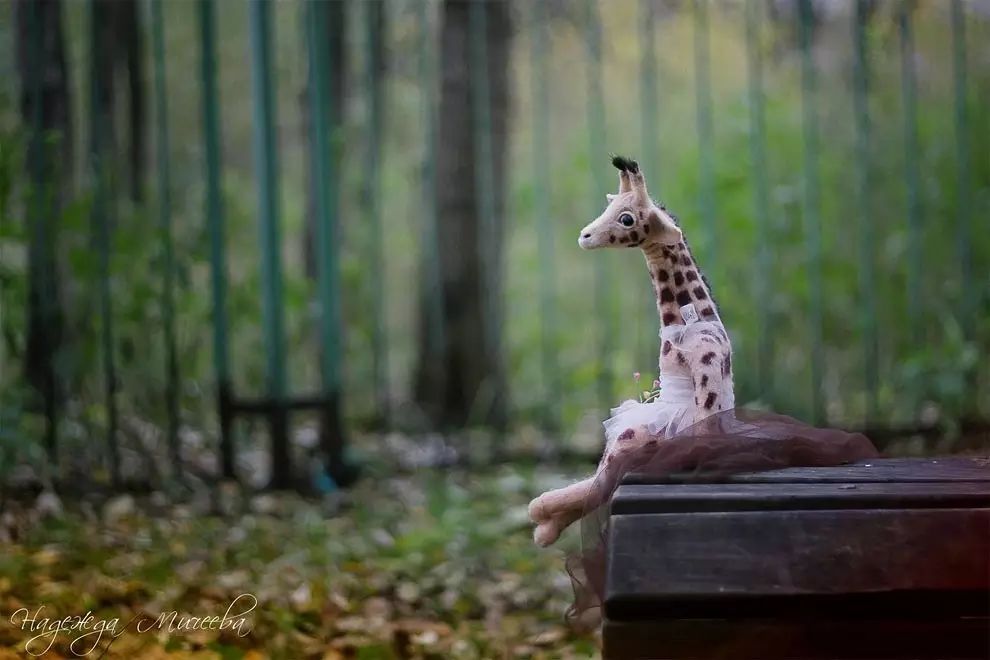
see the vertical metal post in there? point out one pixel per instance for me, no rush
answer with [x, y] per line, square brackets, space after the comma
[165, 230]
[864, 184]
[703, 96]
[912, 178]
[437, 336]
[811, 204]
[539, 39]
[761, 197]
[266, 167]
[42, 267]
[647, 342]
[485, 183]
[374, 68]
[596, 134]
[215, 223]
[101, 222]
[326, 232]
[963, 184]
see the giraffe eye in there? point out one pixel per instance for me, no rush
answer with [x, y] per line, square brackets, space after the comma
[626, 220]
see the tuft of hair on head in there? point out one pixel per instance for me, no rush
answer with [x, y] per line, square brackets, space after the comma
[625, 164]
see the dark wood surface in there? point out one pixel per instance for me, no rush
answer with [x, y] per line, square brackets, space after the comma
[883, 559]
[820, 639]
[951, 468]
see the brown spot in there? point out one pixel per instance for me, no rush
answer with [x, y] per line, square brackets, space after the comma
[683, 298]
[669, 318]
[633, 236]
[624, 239]
[646, 228]
[611, 238]
[662, 275]
[727, 365]
[666, 295]
[651, 443]
[707, 358]
[666, 348]
[680, 359]
[686, 260]
[700, 293]
[704, 380]
[710, 400]
[626, 435]
[708, 311]
[678, 278]
[692, 276]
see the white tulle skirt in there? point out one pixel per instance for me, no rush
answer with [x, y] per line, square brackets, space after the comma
[670, 412]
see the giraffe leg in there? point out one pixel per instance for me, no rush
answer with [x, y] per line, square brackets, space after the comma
[556, 510]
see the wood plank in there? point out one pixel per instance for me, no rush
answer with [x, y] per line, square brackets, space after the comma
[806, 640]
[682, 498]
[665, 561]
[946, 468]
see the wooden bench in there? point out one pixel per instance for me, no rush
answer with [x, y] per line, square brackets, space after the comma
[882, 559]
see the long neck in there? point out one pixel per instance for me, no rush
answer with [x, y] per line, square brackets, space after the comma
[677, 282]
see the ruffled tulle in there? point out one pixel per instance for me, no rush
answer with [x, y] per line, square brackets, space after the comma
[729, 442]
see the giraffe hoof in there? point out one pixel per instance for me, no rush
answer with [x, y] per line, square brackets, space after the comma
[538, 511]
[546, 533]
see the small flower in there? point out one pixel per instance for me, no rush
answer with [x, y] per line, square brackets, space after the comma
[636, 376]
[656, 384]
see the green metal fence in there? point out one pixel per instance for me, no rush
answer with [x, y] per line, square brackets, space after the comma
[753, 109]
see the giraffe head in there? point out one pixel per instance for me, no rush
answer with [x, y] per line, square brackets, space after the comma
[631, 219]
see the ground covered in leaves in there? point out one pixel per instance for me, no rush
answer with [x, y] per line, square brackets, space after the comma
[435, 564]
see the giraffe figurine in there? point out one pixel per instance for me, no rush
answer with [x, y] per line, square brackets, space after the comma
[695, 353]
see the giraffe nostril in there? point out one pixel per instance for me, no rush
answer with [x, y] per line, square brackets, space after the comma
[586, 236]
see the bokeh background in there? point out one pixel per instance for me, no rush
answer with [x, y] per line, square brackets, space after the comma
[382, 201]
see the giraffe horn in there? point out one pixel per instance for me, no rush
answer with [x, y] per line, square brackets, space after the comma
[627, 170]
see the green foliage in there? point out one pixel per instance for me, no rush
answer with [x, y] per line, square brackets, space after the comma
[940, 372]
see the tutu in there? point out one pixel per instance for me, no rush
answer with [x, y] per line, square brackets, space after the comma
[728, 442]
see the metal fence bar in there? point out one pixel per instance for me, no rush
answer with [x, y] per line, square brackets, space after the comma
[374, 66]
[540, 79]
[215, 226]
[703, 108]
[481, 122]
[912, 177]
[811, 206]
[646, 341]
[864, 184]
[102, 208]
[761, 197]
[41, 261]
[328, 260]
[165, 230]
[266, 167]
[963, 184]
[436, 335]
[597, 153]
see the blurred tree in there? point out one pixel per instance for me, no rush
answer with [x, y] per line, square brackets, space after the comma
[120, 50]
[336, 22]
[46, 110]
[463, 380]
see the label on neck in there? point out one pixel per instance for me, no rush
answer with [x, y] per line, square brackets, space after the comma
[689, 314]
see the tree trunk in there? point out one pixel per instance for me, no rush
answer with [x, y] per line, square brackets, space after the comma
[46, 111]
[463, 381]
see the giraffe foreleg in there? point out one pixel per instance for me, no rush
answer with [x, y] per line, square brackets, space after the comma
[557, 509]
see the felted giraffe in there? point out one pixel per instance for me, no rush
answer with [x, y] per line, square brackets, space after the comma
[695, 353]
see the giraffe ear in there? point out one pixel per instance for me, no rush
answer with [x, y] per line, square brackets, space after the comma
[667, 231]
